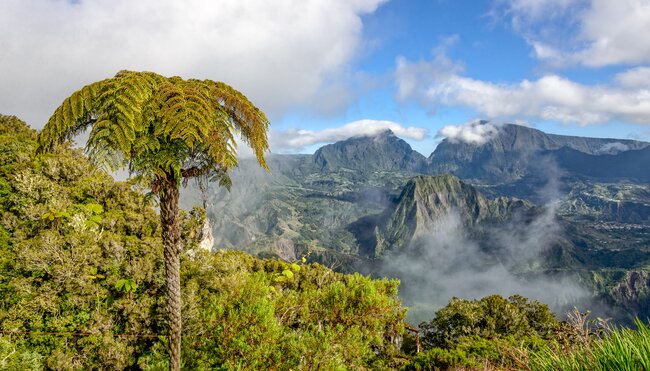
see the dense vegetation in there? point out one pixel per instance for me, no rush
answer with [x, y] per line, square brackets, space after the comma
[165, 130]
[82, 277]
[620, 349]
[81, 283]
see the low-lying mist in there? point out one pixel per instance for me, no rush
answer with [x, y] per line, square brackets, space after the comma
[448, 262]
[454, 260]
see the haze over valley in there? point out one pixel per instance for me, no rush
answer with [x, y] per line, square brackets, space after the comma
[565, 220]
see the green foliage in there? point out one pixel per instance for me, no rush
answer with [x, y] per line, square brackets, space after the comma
[490, 317]
[76, 286]
[315, 319]
[14, 356]
[440, 359]
[467, 333]
[125, 285]
[622, 349]
[159, 126]
[68, 235]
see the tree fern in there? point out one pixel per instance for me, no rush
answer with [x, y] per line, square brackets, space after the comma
[165, 130]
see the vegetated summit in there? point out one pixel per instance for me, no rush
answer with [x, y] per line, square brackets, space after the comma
[357, 202]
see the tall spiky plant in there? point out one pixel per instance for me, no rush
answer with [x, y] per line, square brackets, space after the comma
[166, 130]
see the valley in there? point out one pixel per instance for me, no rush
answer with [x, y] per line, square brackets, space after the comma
[531, 204]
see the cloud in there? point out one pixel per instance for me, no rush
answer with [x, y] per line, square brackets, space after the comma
[299, 139]
[473, 132]
[635, 78]
[278, 54]
[447, 263]
[412, 77]
[607, 32]
[613, 148]
[551, 97]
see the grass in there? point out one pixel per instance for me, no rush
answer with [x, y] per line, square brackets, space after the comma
[622, 349]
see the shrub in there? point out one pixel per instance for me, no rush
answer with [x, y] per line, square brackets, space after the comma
[622, 349]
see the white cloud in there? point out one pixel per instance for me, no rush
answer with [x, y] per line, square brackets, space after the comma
[413, 76]
[635, 78]
[278, 53]
[299, 139]
[473, 132]
[534, 10]
[550, 97]
[617, 32]
[606, 32]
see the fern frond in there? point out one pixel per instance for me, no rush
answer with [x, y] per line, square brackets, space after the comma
[156, 124]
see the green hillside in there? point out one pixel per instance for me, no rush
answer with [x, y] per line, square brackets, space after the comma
[81, 278]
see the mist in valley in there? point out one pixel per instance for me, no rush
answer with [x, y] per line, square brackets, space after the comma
[452, 259]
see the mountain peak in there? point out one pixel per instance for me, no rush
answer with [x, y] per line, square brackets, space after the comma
[426, 200]
[381, 152]
[385, 133]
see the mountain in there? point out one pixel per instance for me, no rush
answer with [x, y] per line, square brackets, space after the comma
[517, 152]
[630, 164]
[534, 204]
[383, 152]
[426, 199]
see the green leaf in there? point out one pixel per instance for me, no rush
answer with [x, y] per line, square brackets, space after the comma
[287, 273]
[295, 267]
[95, 219]
[95, 208]
[119, 285]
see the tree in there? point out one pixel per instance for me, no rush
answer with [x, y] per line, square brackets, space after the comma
[490, 317]
[164, 130]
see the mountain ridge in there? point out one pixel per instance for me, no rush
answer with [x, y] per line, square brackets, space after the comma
[353, 204]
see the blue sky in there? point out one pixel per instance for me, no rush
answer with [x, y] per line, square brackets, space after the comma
[326, 69]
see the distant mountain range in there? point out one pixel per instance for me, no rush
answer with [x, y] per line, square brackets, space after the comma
[357, 202]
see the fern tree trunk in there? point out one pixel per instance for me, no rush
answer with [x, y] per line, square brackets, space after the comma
[171, 233]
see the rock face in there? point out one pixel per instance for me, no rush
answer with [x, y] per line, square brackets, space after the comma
[633, 291]
[516, 152]
[355, 201]
[631, 165]
[426, 199]
[384, 152]
[206, 239]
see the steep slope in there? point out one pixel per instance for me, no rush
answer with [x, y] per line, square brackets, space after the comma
[629, 165]
[357, 203]
[517, 152]
[384, 152]
[426, 199]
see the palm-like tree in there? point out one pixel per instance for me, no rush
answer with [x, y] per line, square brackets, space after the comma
[166, 130]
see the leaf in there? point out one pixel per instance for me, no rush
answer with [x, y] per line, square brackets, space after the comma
[95, 219]
[119, 285]
[295, 267]
[303, 260]
[280, 279]
[287, 273]
[95, 208]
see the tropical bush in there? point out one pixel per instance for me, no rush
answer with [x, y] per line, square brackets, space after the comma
[82, 277]
[472, 333]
